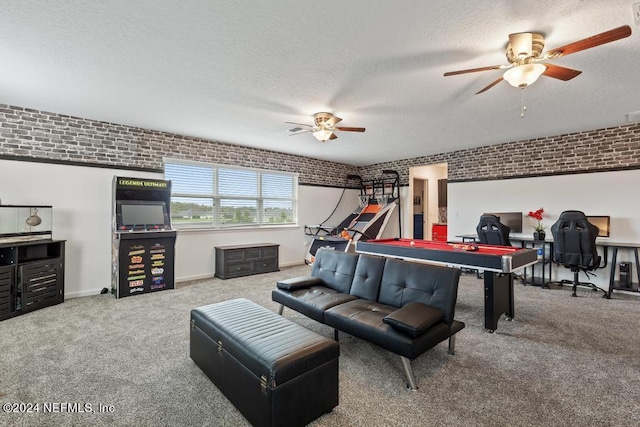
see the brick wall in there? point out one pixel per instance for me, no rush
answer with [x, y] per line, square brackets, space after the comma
[607, 149]
[32, 134]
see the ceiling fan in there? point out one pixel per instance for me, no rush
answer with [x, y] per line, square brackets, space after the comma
[524, 53]
[324, 128]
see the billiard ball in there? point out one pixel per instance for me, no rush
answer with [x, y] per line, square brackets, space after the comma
[412, 243]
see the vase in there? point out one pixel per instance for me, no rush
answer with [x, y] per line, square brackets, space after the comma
[539, 235]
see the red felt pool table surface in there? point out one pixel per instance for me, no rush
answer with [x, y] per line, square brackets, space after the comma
[444, 246]
[502, 259]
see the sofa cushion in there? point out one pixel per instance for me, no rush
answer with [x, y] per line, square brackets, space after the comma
[298, 283]
[312, 302]
[414, 318]
[365, 319]
[335, 268]
[404, 282]
[366, 281]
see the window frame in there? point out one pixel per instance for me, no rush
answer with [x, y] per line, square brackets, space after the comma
[217, 198]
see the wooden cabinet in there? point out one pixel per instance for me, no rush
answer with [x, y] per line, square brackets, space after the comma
[244, 260]
[7, 285]
[439, 232]
[31, 276]
[442, 193]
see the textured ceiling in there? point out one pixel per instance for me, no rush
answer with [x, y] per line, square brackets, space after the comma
[235, 71]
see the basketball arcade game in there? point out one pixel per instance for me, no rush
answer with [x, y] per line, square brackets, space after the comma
[374, 218]
[143, 243]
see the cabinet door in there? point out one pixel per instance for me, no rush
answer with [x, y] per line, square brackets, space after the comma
[266, 265]
[7, 287]
[235, 269]
[233, 255]
[269, 252]
[439, 233]
[41, 283]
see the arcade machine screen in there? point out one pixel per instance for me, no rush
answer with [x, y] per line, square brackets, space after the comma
[142, 215]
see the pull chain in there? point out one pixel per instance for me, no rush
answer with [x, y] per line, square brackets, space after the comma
[524, 107]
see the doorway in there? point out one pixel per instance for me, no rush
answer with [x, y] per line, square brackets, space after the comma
[419, 186]
[428, 202]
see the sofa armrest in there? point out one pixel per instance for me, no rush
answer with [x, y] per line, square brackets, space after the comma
[299, 283]
[414, 318]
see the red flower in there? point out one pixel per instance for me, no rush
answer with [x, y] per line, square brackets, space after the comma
[537, 215]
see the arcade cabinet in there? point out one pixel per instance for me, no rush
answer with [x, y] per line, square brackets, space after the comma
[143, 243]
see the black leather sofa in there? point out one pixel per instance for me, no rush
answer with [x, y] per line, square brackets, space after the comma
[404, 307]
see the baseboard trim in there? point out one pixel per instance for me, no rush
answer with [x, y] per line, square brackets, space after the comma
[90, 292]
[79, 294]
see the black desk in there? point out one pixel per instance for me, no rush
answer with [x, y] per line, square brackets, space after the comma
[544, 262]
[602, 242]
[613, 283]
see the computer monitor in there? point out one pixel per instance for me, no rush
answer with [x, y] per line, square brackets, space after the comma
[602, 222]
[513, 220]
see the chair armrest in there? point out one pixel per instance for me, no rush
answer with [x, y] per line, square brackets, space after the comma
[298, 283]
[414, 318]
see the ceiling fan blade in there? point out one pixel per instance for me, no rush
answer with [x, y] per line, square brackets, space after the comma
[333, 120]
[560, 73]
[350, 129]
[486, 88]
[589, 42]
[333, 136]
[299, 132]
[299, 124]
[475, 70]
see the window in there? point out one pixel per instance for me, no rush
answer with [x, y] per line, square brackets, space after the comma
[215, 196]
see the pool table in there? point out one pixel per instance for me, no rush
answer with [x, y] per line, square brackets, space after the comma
[498, 263]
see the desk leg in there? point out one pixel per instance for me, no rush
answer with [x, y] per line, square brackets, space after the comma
[635, 250]
[612, 276]
[498, 298]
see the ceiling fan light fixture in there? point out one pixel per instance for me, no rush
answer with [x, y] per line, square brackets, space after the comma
[523, 75]
[520, 44]
[323, 134]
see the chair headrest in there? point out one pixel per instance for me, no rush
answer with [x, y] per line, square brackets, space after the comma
[492, 232]
[488, 218]
[572, 216]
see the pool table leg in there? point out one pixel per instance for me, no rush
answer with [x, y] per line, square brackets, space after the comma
[498, 298]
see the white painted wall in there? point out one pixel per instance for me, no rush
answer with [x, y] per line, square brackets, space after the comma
[603, 193]
[81, 200]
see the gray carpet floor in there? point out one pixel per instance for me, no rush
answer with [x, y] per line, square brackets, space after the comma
[563, 361]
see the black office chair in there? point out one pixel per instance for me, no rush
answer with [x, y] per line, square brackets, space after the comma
[492, 232]
[575, 246]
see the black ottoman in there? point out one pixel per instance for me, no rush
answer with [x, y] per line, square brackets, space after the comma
[274, 371]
